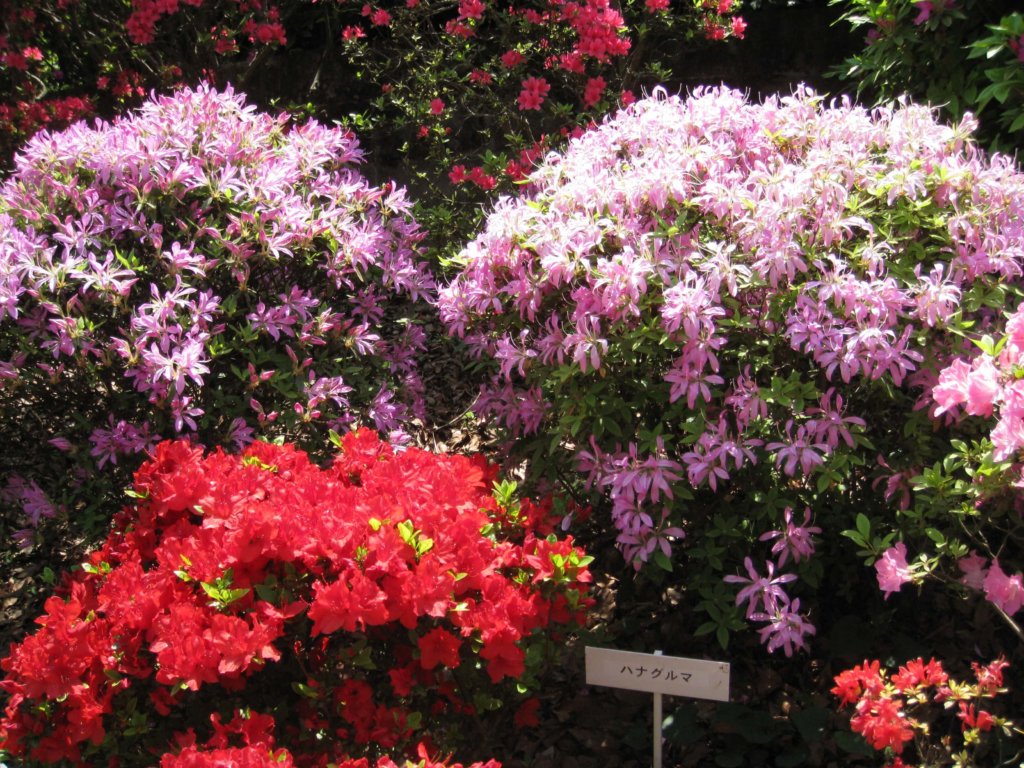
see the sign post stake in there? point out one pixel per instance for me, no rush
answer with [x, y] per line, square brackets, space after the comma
[657, 725]
[657, 674]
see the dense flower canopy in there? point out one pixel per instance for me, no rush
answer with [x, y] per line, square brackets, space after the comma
[705, 288]
[200, 267]
[361, 587]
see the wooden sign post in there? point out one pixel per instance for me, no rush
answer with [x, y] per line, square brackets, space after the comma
[657, 674]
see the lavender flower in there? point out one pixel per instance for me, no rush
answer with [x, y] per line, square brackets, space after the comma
[163, 254]
[786, 628]
[795, 540]
[765, 592]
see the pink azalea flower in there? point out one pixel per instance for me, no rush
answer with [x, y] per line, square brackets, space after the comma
[892, 568]
[974, 569]
[951, 390]
[927, 8]
[1014, 348]
[1005, 592]
[795, 540]
[785, 628]
[1008, 435]
[982, 387]
[764, 591]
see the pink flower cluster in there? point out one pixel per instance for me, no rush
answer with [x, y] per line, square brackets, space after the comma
[706, 298]
[708, 224]
[262, 23]
[214, 271]
[767, 602]
[1003, 591]
[990, 384]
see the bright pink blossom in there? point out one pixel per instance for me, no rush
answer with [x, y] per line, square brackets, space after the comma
[592, 93]
[535, 90]
[1005, 592]
[982, 387]
[511, 58]
[892, 568]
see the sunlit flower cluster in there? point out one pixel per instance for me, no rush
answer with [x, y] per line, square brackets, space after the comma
[692, 292]
[211, 271]
[338, 602]
[897, 712]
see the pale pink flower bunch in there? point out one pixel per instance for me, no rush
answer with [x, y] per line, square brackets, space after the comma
[205, 269]
[990, 384]
[752, 284]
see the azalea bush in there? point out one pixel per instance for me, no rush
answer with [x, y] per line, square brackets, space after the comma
[256, 606]
[958, 55]
[463, 96]
[902, 714]
[196, 268]
[61, 60]
[729, 319]
[478, 91]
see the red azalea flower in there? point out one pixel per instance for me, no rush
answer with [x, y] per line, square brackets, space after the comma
[916, 673]
[526, 714]
[439, 646]
[972, 717]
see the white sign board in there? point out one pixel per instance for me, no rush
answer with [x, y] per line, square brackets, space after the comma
[672, 675]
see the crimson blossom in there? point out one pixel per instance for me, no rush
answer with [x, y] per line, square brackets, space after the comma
[256, 608]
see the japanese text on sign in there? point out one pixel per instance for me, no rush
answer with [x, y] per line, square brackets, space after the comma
[672, 675]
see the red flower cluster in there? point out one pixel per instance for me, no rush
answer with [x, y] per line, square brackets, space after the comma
[598, 25]
[535, 90]
[362, 587]
[890, 710]
[476, 175]
[146, 14]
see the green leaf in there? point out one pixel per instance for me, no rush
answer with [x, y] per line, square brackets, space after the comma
[681, 727]
[705, 629]
[304, 690]
[223, 597]
[269, 591]
[856, 538]
[810, 723]
[935, 535]
[662, 561]
[722, 635]
[853, 743]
